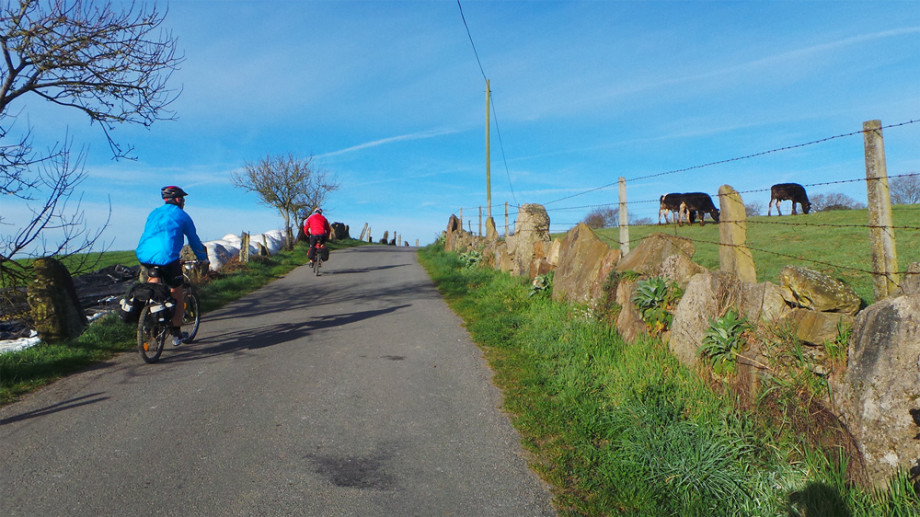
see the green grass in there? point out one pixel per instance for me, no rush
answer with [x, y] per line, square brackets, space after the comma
[25, 370]
[624, 429]
[835, 243]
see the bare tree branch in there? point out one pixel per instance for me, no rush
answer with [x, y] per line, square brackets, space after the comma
[112, 65]
[289, 184]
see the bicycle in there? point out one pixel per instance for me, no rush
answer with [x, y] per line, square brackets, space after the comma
[319, 252]
[155, 321]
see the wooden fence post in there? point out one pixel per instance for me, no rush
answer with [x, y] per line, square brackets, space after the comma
[734, 255]
[507, 228]
[884, 256]
[480, 221]
[624, 219]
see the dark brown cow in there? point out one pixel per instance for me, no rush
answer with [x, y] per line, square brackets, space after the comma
[788, 191]
[698, 203]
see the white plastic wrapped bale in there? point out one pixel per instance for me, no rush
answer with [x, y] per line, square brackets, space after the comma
[273, 240]
[218, 255]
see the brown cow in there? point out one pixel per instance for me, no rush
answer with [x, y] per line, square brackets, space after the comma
[788, 191]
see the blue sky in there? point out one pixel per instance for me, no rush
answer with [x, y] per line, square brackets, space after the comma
[388, 97]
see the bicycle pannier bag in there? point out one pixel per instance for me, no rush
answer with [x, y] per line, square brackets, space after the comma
[138, 296]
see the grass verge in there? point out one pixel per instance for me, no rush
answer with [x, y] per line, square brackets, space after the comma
[25, 370]
[624, 429]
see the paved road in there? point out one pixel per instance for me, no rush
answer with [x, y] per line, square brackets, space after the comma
[354, 393]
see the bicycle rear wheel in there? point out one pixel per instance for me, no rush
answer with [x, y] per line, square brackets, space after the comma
[151, 336]
[191, 318]
[316, 263]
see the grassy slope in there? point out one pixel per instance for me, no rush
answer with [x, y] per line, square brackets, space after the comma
[812, 241]
[624, 429]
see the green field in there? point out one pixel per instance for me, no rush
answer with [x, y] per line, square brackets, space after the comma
[835, 243]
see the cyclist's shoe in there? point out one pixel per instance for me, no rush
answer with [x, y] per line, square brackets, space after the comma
[310, 264]
[178, 336]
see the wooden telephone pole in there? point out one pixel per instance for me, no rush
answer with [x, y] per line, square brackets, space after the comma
[488, 161]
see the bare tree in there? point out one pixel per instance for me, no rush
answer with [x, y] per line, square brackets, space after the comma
[602, 218]
[753, 208]
[905, 190]
[112, 65]
[289, 184]
[834, 201]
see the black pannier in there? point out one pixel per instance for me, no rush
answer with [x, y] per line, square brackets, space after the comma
[138, 295]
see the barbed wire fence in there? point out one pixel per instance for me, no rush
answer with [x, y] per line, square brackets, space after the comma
[889, 274]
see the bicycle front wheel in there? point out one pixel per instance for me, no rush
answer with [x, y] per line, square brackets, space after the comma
[191, 317]
[151, 336]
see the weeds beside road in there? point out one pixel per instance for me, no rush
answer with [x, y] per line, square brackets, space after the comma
[624, 429]
[26, 370]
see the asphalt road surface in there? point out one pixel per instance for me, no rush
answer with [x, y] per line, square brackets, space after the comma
[354, 393]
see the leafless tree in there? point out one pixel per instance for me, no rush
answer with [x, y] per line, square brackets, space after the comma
[905, 190]
[602, 218]
[753, 208]
[110, 64]
[292, 185]
[834, 201]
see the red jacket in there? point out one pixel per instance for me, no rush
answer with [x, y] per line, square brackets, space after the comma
[316, 224]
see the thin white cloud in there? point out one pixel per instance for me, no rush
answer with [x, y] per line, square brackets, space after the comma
[383, 141]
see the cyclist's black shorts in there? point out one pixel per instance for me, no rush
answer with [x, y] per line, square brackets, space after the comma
[171, 273]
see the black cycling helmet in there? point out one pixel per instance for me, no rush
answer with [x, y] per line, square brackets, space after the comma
[172, 192]
[318, 211]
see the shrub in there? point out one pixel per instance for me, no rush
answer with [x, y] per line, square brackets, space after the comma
[655, 298]
[723, 338]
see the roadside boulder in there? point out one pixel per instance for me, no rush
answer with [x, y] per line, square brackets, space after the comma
[810, 289]
[879, 395]
[910, 283]
[54, 304]
[660, 254]
[629, 324]
[339, 231]
[584, 264]
[815, 328]
[531, 226]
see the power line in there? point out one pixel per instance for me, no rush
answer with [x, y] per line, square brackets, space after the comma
[729, 160]
[471, 40]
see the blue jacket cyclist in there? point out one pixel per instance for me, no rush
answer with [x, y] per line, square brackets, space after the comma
[164, 234]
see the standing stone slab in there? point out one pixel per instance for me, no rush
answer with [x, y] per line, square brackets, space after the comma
[584, 263]
[734, 256]
[880, 391]
[532, 226]
[56, 309]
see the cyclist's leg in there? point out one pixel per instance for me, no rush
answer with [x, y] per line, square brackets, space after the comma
[172, 275]
[312, 253]
[325, 251]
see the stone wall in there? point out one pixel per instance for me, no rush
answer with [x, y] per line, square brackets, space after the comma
[878, 387]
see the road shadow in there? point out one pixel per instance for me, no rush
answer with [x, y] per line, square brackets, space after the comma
[63, 405]
[269, 335]
[297, 297]
[360, 270]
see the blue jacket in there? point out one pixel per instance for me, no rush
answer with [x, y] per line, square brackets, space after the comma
[164, 235]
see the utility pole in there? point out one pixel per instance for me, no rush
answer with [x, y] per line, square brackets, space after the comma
[488, 160]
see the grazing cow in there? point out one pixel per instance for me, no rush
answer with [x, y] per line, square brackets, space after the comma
[791, 191]
[669, 203]
[698, 203]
